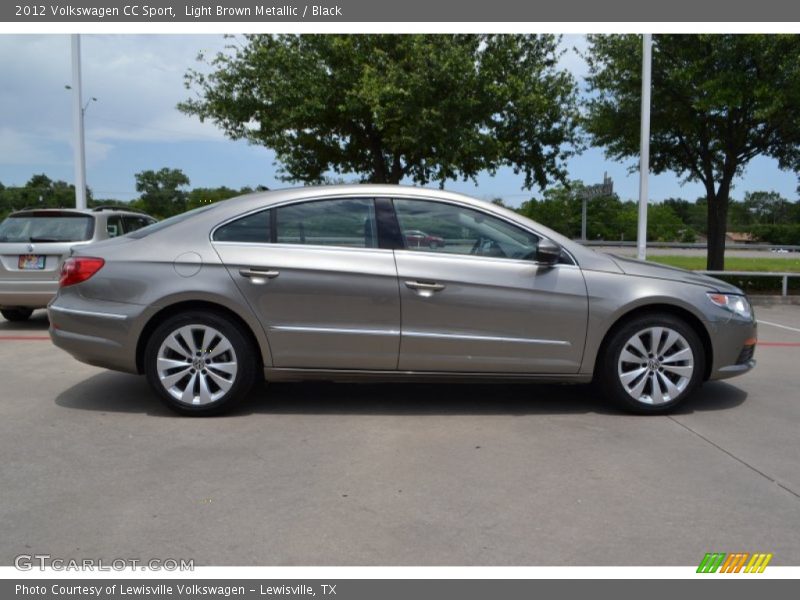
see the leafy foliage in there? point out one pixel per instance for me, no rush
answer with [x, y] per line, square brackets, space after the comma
[393, 107]
[717, 101]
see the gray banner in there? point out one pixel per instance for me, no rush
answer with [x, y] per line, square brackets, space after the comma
[728, 587]
[394, 11]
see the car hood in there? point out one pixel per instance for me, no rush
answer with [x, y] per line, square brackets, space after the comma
[642, 268]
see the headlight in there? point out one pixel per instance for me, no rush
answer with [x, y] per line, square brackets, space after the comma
[735, 303]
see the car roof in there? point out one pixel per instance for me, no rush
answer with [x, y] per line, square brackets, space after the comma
[75, 211]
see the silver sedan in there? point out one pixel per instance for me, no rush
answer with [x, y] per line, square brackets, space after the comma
[321, 283]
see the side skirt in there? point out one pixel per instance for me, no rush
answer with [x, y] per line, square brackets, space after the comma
[287, 374]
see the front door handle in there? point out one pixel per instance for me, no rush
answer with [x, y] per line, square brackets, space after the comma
[425, 286]
[259, 275]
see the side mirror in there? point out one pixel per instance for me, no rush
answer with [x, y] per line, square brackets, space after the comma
[548, 252]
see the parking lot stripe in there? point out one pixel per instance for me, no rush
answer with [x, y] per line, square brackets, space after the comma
[779, 325]
[37, 338]
[781, 344]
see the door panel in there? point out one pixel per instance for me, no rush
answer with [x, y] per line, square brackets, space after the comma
[482, 314]
[325, 294]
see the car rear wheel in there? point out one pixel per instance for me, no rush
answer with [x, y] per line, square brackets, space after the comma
[200, 363]
[652, 364]
[16, 314]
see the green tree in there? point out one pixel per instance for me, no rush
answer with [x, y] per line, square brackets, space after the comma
[717, 101]
[767, 207]
[393, 107]
[161, 193]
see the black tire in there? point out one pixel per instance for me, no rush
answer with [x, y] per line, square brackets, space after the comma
[16, 314]
[243, 352]
[610, 371]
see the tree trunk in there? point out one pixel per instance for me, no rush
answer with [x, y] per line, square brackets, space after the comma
[717, 227]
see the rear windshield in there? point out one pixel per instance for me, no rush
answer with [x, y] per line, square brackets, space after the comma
[145, 231]
[47, 227]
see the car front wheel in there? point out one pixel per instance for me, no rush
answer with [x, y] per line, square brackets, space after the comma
[200, 363]
[652, 364]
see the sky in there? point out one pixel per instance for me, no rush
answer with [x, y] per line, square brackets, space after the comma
[134, 125]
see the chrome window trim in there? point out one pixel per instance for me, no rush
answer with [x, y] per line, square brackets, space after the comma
[399, 196]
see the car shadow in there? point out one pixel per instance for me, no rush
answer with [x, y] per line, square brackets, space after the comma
[37, 322]
[118, 392]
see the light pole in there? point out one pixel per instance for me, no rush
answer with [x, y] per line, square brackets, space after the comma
[644, 147]
[79, 149]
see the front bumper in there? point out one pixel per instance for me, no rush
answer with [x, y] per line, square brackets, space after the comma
[733, 344]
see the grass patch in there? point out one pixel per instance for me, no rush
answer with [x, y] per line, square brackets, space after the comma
[733, 263]
[751, 285]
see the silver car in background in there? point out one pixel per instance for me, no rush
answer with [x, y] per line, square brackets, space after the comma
[35, 242]
[321, 283]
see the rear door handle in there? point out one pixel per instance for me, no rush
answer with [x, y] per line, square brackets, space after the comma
[256, 274]
[425, 286]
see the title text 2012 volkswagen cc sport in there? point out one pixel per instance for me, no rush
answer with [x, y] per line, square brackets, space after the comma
[321, 283]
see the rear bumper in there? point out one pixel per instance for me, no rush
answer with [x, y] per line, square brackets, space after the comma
[103, 335]
[28, 294]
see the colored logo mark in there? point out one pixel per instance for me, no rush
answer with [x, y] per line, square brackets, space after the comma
[736, 562]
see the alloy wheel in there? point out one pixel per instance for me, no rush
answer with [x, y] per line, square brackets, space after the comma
[656, 365]
[197, 365]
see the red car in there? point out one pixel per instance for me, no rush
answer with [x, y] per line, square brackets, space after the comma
[416, 239]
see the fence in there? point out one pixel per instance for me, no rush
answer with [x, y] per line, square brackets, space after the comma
[784, 276]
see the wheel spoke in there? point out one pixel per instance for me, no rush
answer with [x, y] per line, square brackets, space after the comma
[187, 335]
[636, 391]
[224, 384]
[636, 342]
[682, 371]
[208, 337]
[173, 344]
[165, 364]
[221, 347]
[170, 380]
[680, 355]
[188, 392]
[226, 367]
[205, 393]
[630, 376]
[672, 337]
[672, 390]
[655, 393]
[655, 339]
[628, 356]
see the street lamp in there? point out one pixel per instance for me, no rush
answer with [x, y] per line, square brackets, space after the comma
[88, 102]
[78, 109]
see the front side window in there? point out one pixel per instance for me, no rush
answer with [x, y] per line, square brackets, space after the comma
[429, 226]
[340, 222]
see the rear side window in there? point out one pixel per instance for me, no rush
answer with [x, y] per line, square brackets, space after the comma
[132, 223]
[145, 231]
[340, 222]
[114, 226]
[254, 229]
[47, 227]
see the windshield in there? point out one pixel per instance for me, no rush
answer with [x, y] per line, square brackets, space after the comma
[145, 231]
[47, 227]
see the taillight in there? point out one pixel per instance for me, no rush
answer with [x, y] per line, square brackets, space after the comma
[79, 268]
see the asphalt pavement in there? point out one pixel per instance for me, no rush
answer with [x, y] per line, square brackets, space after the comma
[397, 474]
